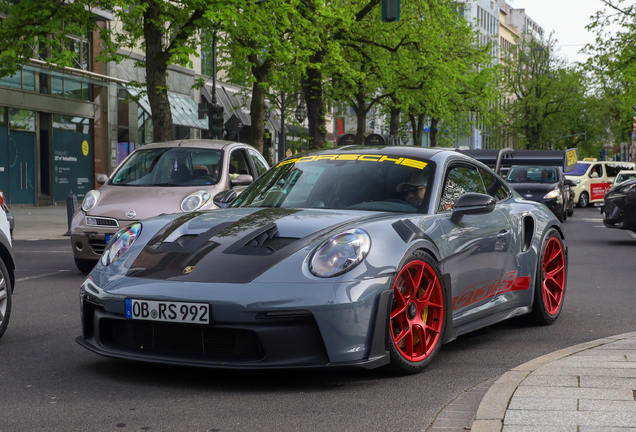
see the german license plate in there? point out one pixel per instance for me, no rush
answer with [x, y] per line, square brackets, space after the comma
[191, 313]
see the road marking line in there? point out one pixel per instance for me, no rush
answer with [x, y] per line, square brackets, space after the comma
[40, 276]
[592, 220]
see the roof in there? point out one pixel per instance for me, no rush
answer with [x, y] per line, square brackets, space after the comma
[195, 143]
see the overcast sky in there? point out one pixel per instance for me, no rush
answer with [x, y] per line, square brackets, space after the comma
[567, 18]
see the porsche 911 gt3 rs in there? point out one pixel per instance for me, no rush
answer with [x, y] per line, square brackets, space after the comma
[354, 256]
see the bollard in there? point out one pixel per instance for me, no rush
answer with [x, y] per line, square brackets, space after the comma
[71, 206]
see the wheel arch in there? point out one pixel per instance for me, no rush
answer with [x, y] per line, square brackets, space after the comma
[6, 253]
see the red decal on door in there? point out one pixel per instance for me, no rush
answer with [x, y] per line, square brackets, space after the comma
[598, 190]
[485, 290]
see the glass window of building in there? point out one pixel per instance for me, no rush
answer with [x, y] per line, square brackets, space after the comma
[20, 119]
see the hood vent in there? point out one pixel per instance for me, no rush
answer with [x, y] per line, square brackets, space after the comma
[262, 242]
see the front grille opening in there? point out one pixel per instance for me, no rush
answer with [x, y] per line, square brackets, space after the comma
[100, 221]
[169, 338]
[98, 246]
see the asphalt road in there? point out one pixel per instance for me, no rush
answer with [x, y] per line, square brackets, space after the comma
[49, 382]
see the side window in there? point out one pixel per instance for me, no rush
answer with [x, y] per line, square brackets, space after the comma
[459, 180]
[494, 187]
[259, 162]
[238, 164]
[596, 171]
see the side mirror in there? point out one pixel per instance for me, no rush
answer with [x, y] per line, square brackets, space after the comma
[225, 198]
[472, 204]
[242, 180]
[101, 179]
[568, 182]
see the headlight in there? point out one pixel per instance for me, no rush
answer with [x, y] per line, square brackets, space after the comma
[122, 241]
[90, 199]
[552, 194]
[194, 201]
[340, 254]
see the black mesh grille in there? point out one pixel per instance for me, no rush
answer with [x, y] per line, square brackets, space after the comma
[181, 338]
[96, 221]
[98, 246]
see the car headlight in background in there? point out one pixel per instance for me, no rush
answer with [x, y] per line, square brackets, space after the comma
[552, 194]
[120, 243]
[195, 201]
[90, 199]
[340, 254]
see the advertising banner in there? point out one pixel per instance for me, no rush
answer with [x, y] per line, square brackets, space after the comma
[72, 164]
[598, 190]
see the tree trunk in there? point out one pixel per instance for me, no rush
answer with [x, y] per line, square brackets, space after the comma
[433, 140]
[361, 115]
[312, 87]
[418, 128]
[156, 68]
[257, 111]
[394, 123]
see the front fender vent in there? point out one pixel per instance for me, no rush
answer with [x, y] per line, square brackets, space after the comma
[528, 233]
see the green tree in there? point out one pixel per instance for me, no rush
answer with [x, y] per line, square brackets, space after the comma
[542, 93]
[166, 32]
[612, 67]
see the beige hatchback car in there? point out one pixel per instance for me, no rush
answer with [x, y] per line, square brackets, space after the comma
[169, 177]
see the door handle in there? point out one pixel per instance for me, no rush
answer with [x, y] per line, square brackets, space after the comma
[503, 234]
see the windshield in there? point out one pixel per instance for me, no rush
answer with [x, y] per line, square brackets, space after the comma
[521, 174]
[342, 180]
[578, 170]
[625, 176]
[170, 167]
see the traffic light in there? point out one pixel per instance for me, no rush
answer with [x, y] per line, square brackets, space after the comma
[216, 121]
[601, 155]
[390, 10]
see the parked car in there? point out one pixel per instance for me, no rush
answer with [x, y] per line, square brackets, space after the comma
[7, 267]
[595, 178]
[619, 206]
[352, 256]
[624, 175]
[543, 184]
[170, 177]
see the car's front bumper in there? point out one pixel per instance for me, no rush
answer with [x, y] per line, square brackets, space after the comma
[274, 326]
[88, 242]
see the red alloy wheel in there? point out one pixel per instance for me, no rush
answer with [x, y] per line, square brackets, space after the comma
[553, 276]
[418, 314]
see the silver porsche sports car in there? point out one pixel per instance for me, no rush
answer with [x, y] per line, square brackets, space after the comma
[352, 256]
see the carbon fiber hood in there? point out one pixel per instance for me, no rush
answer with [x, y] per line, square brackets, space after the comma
[233, 245]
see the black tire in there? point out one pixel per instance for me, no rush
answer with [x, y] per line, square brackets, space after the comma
[85, 266]
[584, 199]
[551, 280]
[5, 298]
[411, 312]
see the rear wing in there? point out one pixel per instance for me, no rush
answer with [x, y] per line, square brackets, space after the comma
[508, 157]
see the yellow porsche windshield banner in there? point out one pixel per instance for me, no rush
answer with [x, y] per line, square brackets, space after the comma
[357, 157]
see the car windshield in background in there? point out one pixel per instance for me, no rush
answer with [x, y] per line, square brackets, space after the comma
[170, 167]
[521, 174]
[622, 177]
[578, 170]
[342, 181]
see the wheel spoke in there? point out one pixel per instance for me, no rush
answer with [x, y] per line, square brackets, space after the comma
[398, 311]
[3, 294]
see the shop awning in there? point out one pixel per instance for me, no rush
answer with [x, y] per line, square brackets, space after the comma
[234, 102]
[184, 109]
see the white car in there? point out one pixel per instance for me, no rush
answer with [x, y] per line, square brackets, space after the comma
[595, 178]
[624, 175]
[7, 267]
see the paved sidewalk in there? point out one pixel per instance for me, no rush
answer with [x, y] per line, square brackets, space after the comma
[39, 223]
[589, 387]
